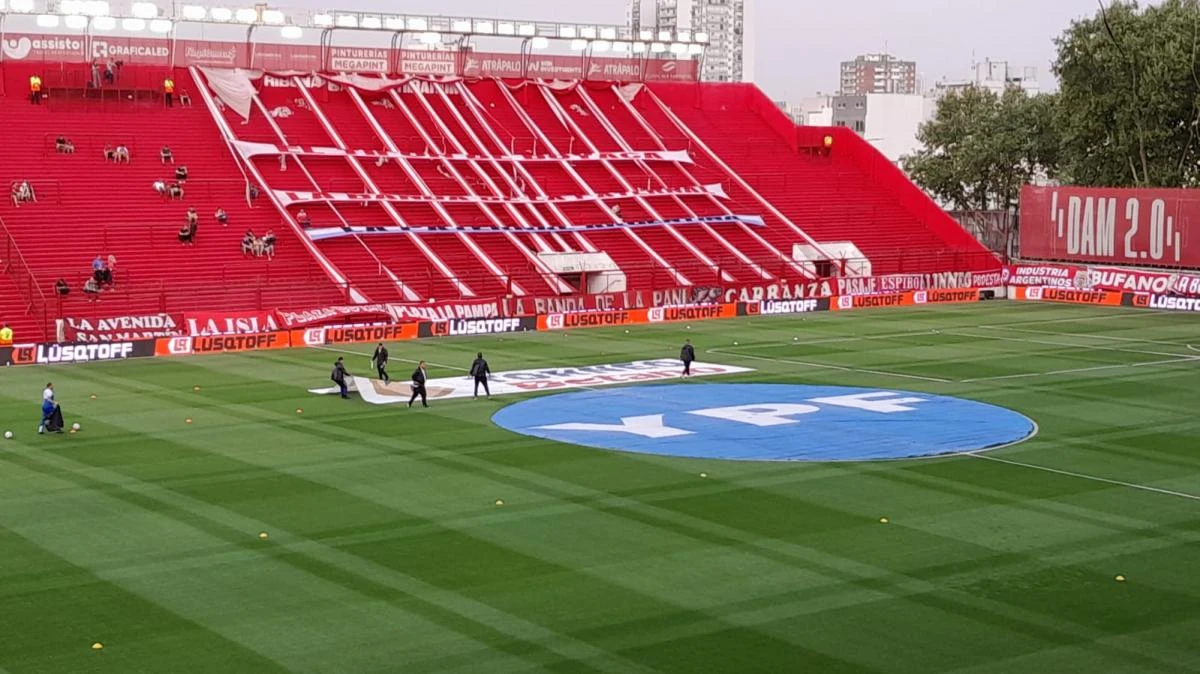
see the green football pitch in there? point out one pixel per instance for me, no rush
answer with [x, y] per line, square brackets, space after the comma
[387, 551]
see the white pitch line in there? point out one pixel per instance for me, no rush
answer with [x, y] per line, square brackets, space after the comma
[1025, 340]
[1193, 348]
[1134, 340]
[1023, 375]
[828, 366]
[1085, 476]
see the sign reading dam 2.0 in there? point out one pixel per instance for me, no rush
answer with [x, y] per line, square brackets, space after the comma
[768, 422]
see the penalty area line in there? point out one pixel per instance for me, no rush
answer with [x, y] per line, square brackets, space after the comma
[1085, 476]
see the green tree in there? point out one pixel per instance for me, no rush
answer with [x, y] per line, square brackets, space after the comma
[981, 147]
[1129, 112]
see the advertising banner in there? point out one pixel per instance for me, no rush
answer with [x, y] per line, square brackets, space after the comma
[1068, 295]
[1110, 225]
[913, 298]
[183, 346]
[76, 352]
[160, 51]
[353, 334]
[482, 326]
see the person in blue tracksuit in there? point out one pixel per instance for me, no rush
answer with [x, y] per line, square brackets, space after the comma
[51, 413]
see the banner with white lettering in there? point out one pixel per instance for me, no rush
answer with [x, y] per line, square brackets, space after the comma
[205, 323]
[119, 328]
[1110, 225]
[1103, 278]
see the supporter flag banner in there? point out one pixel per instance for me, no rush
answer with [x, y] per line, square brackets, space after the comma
[1103, 278]
[1111, 225]
[118, 328]
[532, 381]
[205, 323]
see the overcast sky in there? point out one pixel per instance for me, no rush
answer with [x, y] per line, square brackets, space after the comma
[799, 43]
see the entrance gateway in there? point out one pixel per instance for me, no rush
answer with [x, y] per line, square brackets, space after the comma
[768, 422]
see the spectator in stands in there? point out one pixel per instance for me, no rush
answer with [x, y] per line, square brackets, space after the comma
[175, 191]
[35, 89]
[109, 153]
[165, 154]
[187, 234]
[222, 217]
[111, 268]
[169, 92]
[249, 243]
[22, 192]
[63, 145]
[121, 155]
[160, 187]
[267, 245]
[193, 218]
[91, 289]
[185, 99]
[98, 268]
[181, 173]
[252, 191]
[302, 218]
[95, 83]
[110, 71]
[61, 287]
[6, 335]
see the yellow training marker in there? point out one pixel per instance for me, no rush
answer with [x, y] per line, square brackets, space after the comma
[499, 502]
[883, 520]
[299, 411]
[263, 535]
[703, 474]
[187, 420]
[97, 646]
[93, 396]
[1120, 579]
[195, 388]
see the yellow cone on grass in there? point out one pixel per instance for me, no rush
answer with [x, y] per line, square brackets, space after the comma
[263, 535]
[883, 520]
[499, 502]
[97, 646]
[1120, 579]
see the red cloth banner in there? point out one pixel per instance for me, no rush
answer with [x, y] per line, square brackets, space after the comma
[1103, 278]
[1110, 225]
[204, 323]
[120, 328]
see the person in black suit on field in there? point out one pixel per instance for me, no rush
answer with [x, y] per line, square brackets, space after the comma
[418, 385]
[339, 376]
[480, 370]
[380, 359]
[687, 354]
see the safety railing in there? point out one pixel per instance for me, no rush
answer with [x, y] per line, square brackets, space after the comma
[24, 280]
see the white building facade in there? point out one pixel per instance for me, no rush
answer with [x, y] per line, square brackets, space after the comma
[727, 24]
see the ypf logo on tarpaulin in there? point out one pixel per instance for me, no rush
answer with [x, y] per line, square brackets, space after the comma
[18, 49]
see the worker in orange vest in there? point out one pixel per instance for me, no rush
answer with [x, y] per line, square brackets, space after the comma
[35, 90]
[169, 92]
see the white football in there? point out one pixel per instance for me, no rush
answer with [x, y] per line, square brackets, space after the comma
[8, 435]
[75, 426]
